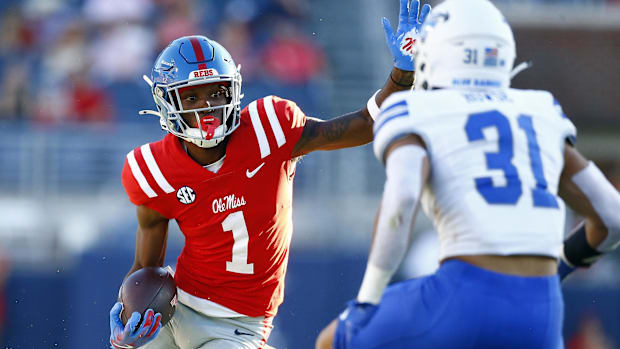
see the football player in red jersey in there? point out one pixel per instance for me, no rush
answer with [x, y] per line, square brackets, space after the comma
[225, 175]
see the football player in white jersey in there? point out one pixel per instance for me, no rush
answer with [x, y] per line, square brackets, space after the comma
[493, 167]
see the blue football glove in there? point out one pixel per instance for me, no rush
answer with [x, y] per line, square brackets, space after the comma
[402, 43]
[564, 269]
[132, 336]
[351, 320]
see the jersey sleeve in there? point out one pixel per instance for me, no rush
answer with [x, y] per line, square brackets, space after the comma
[144, 182]
[134, 183]
[393, 122]
[278, 124]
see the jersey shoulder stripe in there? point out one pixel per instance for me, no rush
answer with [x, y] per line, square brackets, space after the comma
[139, 176]
[154, 169]
[273, 121]
[147, 173]
[263, 143]
[393, 122]
[263, 116]
[393, 111]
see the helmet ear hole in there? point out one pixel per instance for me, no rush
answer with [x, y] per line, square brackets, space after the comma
[425, 85]
[422, 66]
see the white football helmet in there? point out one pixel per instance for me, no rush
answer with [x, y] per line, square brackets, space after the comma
[465, 44]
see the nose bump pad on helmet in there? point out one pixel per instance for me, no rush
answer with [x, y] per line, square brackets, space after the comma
[208, 124]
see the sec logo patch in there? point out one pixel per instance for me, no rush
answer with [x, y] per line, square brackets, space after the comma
[186, 195]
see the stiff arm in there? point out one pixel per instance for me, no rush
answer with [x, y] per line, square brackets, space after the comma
[349, 130]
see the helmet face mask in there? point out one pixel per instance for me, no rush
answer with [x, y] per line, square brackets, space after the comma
[465, 44]
[196, 61]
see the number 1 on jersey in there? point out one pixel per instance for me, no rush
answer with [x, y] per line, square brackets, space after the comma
[236, 223]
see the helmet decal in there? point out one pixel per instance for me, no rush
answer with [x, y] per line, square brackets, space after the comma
[202, 73]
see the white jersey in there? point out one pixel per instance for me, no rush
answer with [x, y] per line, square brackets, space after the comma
[496, 159]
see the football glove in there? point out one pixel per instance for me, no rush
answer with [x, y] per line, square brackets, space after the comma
[131, 335]
[402, 43]
[351, 320]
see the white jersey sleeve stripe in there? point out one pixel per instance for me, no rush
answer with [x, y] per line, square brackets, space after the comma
[155, 171]
[273, 120]
[258, 129]
[393, 111]
[393, 123]
[137, 173]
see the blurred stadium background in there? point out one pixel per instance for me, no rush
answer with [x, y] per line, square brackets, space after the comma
[70, 89]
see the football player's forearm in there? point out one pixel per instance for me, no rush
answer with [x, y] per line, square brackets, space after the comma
[150, 248]
[356, 128]
[151, 238]
[406, 170]
[352, 129]
[349, 130]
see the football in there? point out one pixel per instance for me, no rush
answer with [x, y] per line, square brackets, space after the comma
[149, 288]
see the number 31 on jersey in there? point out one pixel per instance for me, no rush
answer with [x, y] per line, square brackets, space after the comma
[502, 160]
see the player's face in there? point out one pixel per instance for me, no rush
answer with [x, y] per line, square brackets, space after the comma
[203, 96]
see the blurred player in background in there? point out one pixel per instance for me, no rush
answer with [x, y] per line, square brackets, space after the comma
[493, 167]
[225, 175]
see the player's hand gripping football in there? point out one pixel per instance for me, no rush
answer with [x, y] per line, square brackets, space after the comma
[351, 320]
[131, 335]
[402, 43]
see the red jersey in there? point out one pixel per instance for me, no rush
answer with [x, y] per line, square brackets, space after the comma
[237, 222]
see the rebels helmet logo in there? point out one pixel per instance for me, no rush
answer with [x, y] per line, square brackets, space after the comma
[202, 73]
[186, 195]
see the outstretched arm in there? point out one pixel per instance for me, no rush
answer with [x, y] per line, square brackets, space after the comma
[355, 128]
[349, 130]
